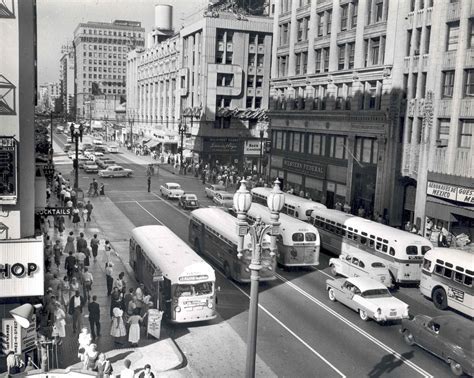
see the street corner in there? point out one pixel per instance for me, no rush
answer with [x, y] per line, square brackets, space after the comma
[163, 356]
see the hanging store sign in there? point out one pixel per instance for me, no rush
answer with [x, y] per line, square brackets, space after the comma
[253, 147]
[21, 268]
[227, 146]
[17, 339]
[306, 168]
[450, 192]
[8, 171]
[54, 211]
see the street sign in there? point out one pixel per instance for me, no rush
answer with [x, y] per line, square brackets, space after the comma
[154, 322]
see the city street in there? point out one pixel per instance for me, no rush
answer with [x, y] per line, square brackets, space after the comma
[300, 330]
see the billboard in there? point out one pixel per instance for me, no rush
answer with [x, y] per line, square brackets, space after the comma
[8, 170]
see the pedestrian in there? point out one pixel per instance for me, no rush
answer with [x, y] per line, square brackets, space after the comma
[116, 300]
[69, 208]
[126, 300]
[87, 281]
[109, 277]
[65, 295]
[94, 243]
[57, 252]
[146, 372]
[80, 257]
[76, 303]
[134, 330]
[108, 252]
[408, 226]
[70, 265]
[84, 340]
[120, 283]
[95, 187]
[91, 356]
[148, 180]
[85, 214]
[81, 243]
[442, 239]
[75, 217]
[94, 317]
[61, 222]
[89, 208]
[127, 372]
[117, 328]
[59, 327]
[347, 208]
[361, 212]
[87, 260]
[103, 366]
[73, 286]
[102, 189]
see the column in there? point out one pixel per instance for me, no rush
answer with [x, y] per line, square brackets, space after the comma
[335, 26]
[350, 166]
[293, 34]
[311, 36]
[359, 58]
[275, 41]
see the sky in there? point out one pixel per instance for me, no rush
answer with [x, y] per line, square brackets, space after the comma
[57, 19]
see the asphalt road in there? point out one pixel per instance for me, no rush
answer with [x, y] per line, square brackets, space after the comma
[301, 333]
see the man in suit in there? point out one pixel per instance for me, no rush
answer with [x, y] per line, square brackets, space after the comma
[76, 303]
[94, 317]
[69, 265]
[81, 243]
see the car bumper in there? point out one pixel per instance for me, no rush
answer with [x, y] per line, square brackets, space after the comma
[385, 318]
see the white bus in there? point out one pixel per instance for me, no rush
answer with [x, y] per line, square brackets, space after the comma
[401, 251]
[446, 278]
[298, 243]
[213, 232]
[187, 291]
[296, 207]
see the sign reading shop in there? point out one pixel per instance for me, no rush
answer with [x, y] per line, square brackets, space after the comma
[450, 192]
[305, 168]
[21, 268]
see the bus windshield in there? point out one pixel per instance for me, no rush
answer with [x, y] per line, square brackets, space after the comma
[376, 293]
[193, 290]
[310, 236]
[412, 250]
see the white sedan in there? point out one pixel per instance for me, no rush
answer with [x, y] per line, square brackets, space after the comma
[224, 199]
[115, 171]
[212, 189]
[171, 190]
[370, 298]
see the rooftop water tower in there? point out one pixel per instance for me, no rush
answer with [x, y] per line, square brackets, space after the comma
[163, 23]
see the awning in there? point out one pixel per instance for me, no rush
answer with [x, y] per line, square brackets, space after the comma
[153, 142]
[187, 154]
[440, 209]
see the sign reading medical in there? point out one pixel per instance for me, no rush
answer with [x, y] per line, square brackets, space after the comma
[8, 170]
[450, 192]
[21, 268]
[252, 147]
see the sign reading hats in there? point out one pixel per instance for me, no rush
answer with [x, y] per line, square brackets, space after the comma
[21, 268]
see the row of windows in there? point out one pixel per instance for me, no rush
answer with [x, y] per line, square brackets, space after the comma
[112, 33]
[103, 62]
[452, 275]
[100, 76]
[104, 48]
[100, 69]
[465, 130]
[447, 90]
[110, 41]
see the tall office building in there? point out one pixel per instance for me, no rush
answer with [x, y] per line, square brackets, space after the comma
[437, 44]
[210, 82]
[100, 61]
[66, 80]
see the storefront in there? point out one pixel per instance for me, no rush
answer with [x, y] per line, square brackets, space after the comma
[222, 151]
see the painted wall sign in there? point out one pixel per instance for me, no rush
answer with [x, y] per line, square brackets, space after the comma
[310, 169]
[450, 192]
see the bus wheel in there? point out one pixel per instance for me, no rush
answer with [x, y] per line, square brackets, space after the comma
[197, 246]
[408, 337]
[227, 271]
[439, 299]
[456, 368]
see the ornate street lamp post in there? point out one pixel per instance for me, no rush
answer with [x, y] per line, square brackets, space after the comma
[76, 134]
[257, 232]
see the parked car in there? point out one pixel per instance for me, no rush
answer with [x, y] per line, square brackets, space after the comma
[450, 337]
[361, 264]
[100, 148]
[212, 189]
[188, 201]
[72, 154]
[82, 160]
[59, 129]
[112, 148]
[115, 171]
[104, 162]
[97, 141]
[88, 152]
[67, 147]
[224, 199]
[171, 190]
[368, 297]
[91, 167]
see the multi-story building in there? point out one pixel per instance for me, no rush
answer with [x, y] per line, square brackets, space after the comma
[47, 95]
[212, 79]
[66, 80]
[336, 101]
[100, 60]
[21, 187]
[437, 44]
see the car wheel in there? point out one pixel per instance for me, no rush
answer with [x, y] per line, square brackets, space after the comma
[332, 295]
[227, 271]
[456, 368]
[439, 299]
[333, 270]
[408, 337]
[363, 315]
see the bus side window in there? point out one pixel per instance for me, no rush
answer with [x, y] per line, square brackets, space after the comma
[426, 264]
[355, 237]
[296, 214]
[458, 277]
[371, 243]
[384, 248]
[355, 261]
[424, 249]
[468, 281]
[348, 258]
[439, 269]
[448, 273]
[363, 240]
[378, 246]
[392, 251]
[361, 264]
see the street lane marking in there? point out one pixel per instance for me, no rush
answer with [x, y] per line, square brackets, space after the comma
[151, 215]
[415, 367]
[133, 201]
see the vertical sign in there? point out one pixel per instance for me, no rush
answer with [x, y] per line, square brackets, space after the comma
[12, 331]
[154, 322]
[8, 170]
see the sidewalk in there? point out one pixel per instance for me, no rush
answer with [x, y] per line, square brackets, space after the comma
[109, 224]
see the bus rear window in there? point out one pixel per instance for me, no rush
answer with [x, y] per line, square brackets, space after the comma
[412, 250]
[424, 249]
[310, 236]
[298, 237]
[308, 212]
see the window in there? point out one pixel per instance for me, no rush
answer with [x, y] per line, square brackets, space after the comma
[469, 83]
[448, 84]
[465, 133]
[351, 47]
[326, 59]
[355, 10]
[426, 49]
[470, 33]
[443, 132]
[409, 35]
[317, 144]
[317, 55]
[375, 50]
[423, 85]
[453, 36]
[320, 24]
[378, 10]
[366, 150]
[300, 30]
[339, 96]
[337, 147]
[417, 41]
[342, 55]
[298, 64]
[344, 15]
[328, 22]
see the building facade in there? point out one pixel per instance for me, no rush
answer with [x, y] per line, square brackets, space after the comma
[438, 77]
[66, 81]
[100, 50]
[336, 103]
[47, 95]
[205, 87]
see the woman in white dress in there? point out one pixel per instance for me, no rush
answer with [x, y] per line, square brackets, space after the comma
[65, 296]
[134, 330]
[73, 287]
[117, 328]
[59, 327]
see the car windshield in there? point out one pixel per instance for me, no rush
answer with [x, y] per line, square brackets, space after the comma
[190, 197]
[174, 187]
[378, 265]
[191, 290]
[227, 196]
[376, 293]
